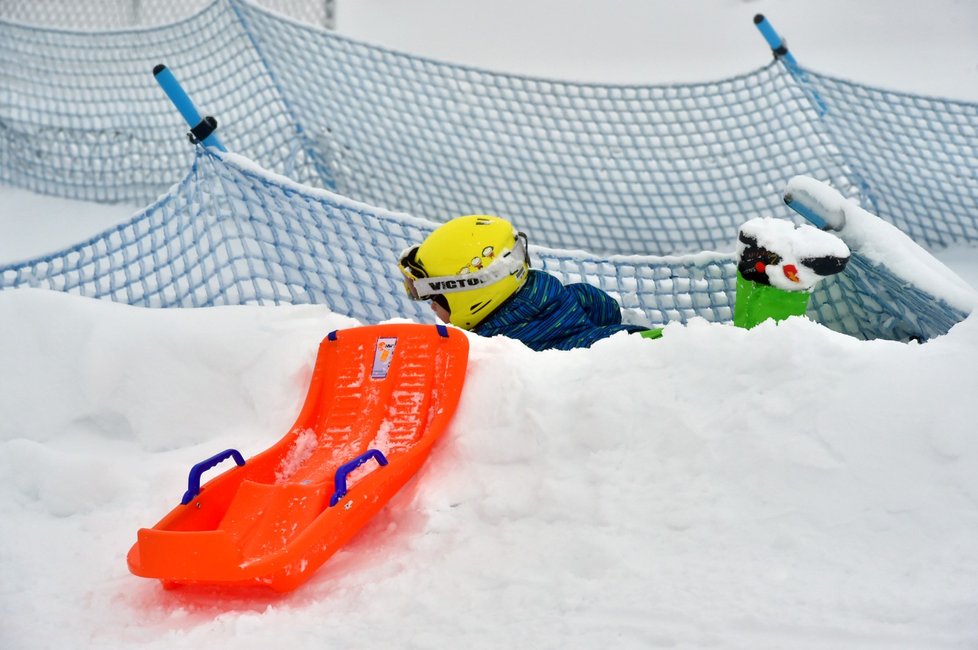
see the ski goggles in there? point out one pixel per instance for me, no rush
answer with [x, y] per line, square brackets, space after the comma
[420, 287]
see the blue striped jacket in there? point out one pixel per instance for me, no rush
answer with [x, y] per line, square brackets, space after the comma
[545, 314]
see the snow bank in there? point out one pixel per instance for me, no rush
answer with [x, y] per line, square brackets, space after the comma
[786, 486]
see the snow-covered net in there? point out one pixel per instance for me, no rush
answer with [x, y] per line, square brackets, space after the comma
[232, 233]
[870, 301]
[614, 169]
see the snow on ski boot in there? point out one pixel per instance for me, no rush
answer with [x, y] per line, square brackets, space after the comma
[779, 265]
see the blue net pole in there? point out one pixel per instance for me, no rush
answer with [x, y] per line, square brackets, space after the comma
[185, 105]
[778, 46]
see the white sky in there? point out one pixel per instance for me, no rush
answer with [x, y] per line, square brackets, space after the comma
[920, 47]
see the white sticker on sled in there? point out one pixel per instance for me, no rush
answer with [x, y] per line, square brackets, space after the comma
[383, 356]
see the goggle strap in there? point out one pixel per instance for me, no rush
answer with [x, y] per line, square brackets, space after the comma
[508, 264]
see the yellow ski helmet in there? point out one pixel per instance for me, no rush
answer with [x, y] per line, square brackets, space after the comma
[469, 265]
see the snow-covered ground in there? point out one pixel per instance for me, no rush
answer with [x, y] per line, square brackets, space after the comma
[783, 487]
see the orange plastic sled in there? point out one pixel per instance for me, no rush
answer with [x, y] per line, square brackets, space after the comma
[379, 398]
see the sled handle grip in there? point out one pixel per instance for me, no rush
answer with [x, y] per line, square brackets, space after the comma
[193, 481]
[339, 482]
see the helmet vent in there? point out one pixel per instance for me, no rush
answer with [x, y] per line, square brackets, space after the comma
[479, 306]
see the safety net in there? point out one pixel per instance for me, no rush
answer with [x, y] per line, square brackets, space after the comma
[82, 117]
[613, 169]
[913, 159]
[339, 141]
[232, 233]
[99, 15]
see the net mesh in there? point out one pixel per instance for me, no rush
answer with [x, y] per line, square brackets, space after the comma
[120, 14]
[82, 117]
[231, 233]
[914, 159]
[615, 169]
[618, 170]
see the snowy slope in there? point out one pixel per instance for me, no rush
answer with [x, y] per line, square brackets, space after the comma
[780, 487]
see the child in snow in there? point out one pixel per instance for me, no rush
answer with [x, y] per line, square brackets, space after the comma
[476, 272]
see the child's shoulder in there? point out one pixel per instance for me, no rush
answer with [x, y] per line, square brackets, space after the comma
[541, 286]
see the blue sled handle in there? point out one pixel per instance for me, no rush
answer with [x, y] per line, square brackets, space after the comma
[339, 482]
[185, 105]
[193, 481]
